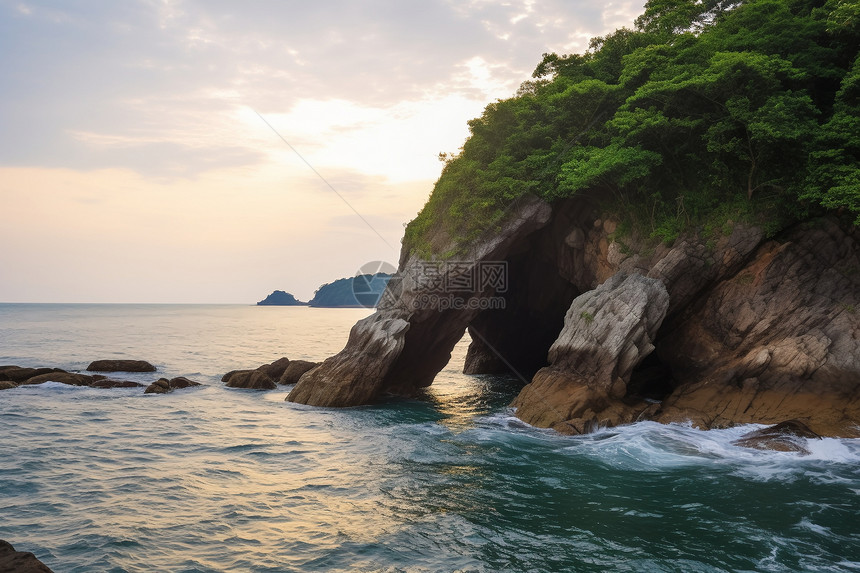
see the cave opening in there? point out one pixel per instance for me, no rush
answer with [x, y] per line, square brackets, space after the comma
[515, 339]
[652, 379]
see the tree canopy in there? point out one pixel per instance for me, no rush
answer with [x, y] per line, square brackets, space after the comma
[753, 103]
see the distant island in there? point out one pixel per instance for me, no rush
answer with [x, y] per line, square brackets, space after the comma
[281, 298]
[352, 292]
[355, 292]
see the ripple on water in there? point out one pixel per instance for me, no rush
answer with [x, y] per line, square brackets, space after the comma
[211, 479]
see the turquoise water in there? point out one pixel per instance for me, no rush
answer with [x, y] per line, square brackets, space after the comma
[214, 479]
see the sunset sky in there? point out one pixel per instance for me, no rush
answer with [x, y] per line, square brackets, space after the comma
[134, 166]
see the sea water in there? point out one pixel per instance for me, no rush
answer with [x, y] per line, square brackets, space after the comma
[215, 479]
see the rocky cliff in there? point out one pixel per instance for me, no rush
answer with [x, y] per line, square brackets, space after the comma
[604, 330]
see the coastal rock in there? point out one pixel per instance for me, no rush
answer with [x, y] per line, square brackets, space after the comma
[251, 379]
[788, 436]
[182, 382]
[160, 386]
[70, 378]
[12, 561]
[7, 385]
[276, 369]
[109, 383]
[778, 340]
[120, 366]
[743, 329]
[400, 348]
[19, 375]
[163, 385]
[607, 333]
[229, 374]
[295, 370]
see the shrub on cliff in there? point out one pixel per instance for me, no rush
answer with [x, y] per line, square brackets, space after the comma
[753, 104]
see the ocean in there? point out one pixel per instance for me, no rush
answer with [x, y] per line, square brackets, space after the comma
[213, 479]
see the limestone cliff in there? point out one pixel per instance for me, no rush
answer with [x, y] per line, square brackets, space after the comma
[716, 330]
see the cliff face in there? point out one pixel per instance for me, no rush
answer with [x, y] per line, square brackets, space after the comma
[603, 332]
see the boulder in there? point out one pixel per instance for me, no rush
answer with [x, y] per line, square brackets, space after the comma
[788, 436]
[182, 382]
[251, 379]
[12, 561]
[276, 368]
[108, 383]
[295, 371]
[70, 378]
[16, 374]
[120, 366]
[229, 374]
[163, 385]
[160, 386]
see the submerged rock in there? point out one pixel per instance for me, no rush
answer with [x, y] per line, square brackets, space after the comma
[788, 436]
[12, 561]
[120, 366]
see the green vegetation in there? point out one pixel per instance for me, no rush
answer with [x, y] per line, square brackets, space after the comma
[709, 111]
[586, 316]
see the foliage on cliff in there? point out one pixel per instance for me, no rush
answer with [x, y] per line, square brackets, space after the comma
[751, 106]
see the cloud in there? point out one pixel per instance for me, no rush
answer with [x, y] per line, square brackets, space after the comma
[162, 80]
[132, 145]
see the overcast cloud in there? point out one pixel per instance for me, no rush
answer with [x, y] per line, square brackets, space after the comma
[166, 92]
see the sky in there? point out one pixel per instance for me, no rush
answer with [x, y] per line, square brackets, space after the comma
[207, 151]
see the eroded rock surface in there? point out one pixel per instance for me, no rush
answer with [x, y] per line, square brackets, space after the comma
[400, 348]
[607, 332]
[295, 370]
[746, 329]
[778, 340]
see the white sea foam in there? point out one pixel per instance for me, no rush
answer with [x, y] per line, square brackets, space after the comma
[650, 446]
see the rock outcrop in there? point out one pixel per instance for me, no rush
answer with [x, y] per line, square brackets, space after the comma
[267, 376]
[724, 328]
[607, 333]
[120, 366]
[249, 379]
[163, 385]
[12, 561]
[400, 348]
[295, 370]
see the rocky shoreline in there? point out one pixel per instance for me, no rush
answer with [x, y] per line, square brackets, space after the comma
[720, 329]
[15, 376]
